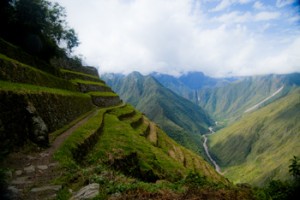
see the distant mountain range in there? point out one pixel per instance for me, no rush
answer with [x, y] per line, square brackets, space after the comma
[183, 120]
[260, 114]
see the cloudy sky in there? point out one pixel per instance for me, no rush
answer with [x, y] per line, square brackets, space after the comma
[217, 37]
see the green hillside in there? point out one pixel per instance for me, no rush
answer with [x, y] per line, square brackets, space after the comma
[258, 147]
[63, 132]
[231, 101]
[180, 119]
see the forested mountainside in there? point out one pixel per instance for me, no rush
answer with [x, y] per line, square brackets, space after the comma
[181, 119]
[259, 147]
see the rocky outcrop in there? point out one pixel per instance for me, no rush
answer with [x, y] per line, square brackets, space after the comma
[88, 192]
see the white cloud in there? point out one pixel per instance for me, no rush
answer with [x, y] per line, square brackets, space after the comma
[243, 17]
[282, 3]
[258, 5]
[163, 36]
[223, 4]
[265, 16]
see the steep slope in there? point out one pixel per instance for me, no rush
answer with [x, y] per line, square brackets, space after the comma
[259, 146]
[181, 119]
[231, 101]
[187, 85]
[89, 140]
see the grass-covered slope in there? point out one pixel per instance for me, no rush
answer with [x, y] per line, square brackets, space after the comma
[229, 102]
[179, 118]
[259, 146]
[111, 143]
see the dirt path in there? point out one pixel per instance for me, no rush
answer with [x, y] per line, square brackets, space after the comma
[31, 173]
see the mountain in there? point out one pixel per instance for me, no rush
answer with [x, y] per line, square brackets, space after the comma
[249, 93]
[66, 134]
[227, 99]
[258, 147]
[179, 118]
[187, 84]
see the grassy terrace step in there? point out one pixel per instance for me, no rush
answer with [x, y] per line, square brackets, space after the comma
[71, 75]
[122, 148]
[22, 104]
[103, 94]
[20, 88]
[135, 121]
[82, 140]
[15, 71]
[124, 112]
[91, 86]
[105, 99]
[144, 128]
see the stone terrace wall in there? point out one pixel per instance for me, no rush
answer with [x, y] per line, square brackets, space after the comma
[33, 116]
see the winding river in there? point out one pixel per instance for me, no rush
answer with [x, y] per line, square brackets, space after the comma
[217, 167]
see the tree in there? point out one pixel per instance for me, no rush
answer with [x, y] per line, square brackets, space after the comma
[294, 168]
[38, 26]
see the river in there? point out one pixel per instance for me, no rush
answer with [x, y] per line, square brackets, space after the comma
[217, 167]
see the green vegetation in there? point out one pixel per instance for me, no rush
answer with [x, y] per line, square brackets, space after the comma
[20, 88]
[122, 160]
[15, 71]
[79, 75]
[89, 82]
[103, 94]
[229, 102]
[255, 149]
[55, 134]
[179, 118]
[37, 26]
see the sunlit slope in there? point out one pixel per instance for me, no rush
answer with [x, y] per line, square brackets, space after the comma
[258, 147]
[231, 101]
[181, 119]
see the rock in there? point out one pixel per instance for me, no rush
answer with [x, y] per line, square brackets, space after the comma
[38, 128]
[42, 167]
[87, 192]
[45, 188]
[29, 169]
[31, 157]
[43, 155]
[8, 174]
[12, 193]
[21, 180]
[19, 172]
[53, 164]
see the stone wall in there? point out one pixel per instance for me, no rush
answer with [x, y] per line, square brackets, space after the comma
[32, 117]
[103, 101]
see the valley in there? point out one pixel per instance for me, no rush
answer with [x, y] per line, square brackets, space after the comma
[186, 100]
[257, 124]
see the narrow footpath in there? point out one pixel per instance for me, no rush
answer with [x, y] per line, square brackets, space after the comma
[32, 174]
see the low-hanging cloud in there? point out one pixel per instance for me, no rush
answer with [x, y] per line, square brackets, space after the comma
[176, 36]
